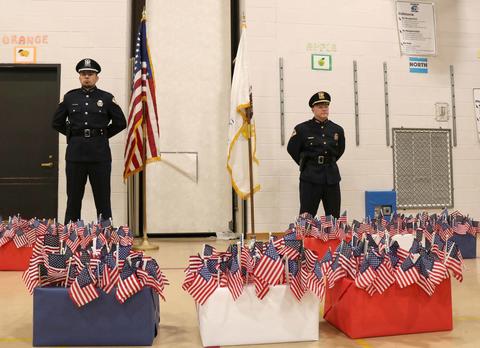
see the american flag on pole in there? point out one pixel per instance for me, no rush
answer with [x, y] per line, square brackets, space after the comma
[142, 110]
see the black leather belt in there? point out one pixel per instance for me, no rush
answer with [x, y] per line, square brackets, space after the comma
[320, 160]
[89, 132]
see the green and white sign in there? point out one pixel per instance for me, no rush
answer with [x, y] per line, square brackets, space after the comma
[321, 62]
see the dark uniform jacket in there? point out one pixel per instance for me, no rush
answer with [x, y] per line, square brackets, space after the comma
[316, 147]
[88, 119]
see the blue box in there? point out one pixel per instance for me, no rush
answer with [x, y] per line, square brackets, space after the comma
[384, 200]
[103, 322]
[467, 245]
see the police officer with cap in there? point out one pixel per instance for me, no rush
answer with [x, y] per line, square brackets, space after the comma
[88, 117]
[316, 145]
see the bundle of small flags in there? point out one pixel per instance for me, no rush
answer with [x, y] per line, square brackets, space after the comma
[279, 261]
[324, 228]
[375, 262]
[21, 231]
[444, 224]
[327, 227]
[87, 258]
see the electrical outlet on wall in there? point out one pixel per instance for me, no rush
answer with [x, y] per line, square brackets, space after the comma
[442, 112]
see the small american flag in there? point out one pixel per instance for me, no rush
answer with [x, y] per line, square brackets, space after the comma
[336, 272]
[20, 239]
[291, 249]
[347, 262]
[246, 261]
[343, 218]
[73, 242]
[296, 286]
[261, 287]
[51, 243]
[202, 286]
[384, 277]
[83, 290]
[407, 273]
[454, 260]
[366, 275]
[270, 266]
[128, 284]
[111, 273]
[234, 279]
[195, 262]
[315, 282]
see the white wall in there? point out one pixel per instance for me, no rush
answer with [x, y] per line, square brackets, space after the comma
[75, 30]
[190, 47]
[364, 31]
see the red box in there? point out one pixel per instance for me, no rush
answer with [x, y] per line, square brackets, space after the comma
[13, 258]
[397, 311]
[319, 246]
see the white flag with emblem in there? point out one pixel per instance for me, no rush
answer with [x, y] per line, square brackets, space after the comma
[238, 133]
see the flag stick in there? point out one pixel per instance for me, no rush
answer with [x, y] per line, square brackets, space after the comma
[218, 272]
[68, 271]
[287, 270]
[249, 112]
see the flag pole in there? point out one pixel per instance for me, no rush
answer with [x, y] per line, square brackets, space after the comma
[249, 112]
[145, 245]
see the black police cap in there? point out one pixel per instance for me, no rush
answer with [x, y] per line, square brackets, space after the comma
[88, 64]
[319, 97]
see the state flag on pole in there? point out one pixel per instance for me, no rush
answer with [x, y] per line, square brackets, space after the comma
[240, 130]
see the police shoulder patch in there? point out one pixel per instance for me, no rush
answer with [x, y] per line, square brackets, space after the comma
[114, 101]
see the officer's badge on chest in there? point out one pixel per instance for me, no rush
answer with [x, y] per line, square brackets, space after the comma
[100, 103]
[335, 136]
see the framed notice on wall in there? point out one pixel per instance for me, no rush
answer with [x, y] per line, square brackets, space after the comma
[25, 54]
[476, 105]
[416, 28]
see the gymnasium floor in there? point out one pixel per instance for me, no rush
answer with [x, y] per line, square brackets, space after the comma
[178, 327]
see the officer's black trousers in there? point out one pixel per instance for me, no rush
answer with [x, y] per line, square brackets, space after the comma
[98, 173]
[311, 194]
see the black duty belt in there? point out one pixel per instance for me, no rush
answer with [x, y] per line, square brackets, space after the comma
[318, 160]
[89, 132]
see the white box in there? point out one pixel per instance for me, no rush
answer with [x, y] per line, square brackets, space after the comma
[279, 317]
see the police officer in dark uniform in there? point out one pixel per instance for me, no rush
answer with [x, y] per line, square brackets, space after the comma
[88, 117]
[316, 145]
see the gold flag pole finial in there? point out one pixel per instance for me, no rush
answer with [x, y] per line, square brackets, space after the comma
[144, 14]
[244, 21]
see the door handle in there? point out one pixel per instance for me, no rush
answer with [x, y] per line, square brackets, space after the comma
[46, 164]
